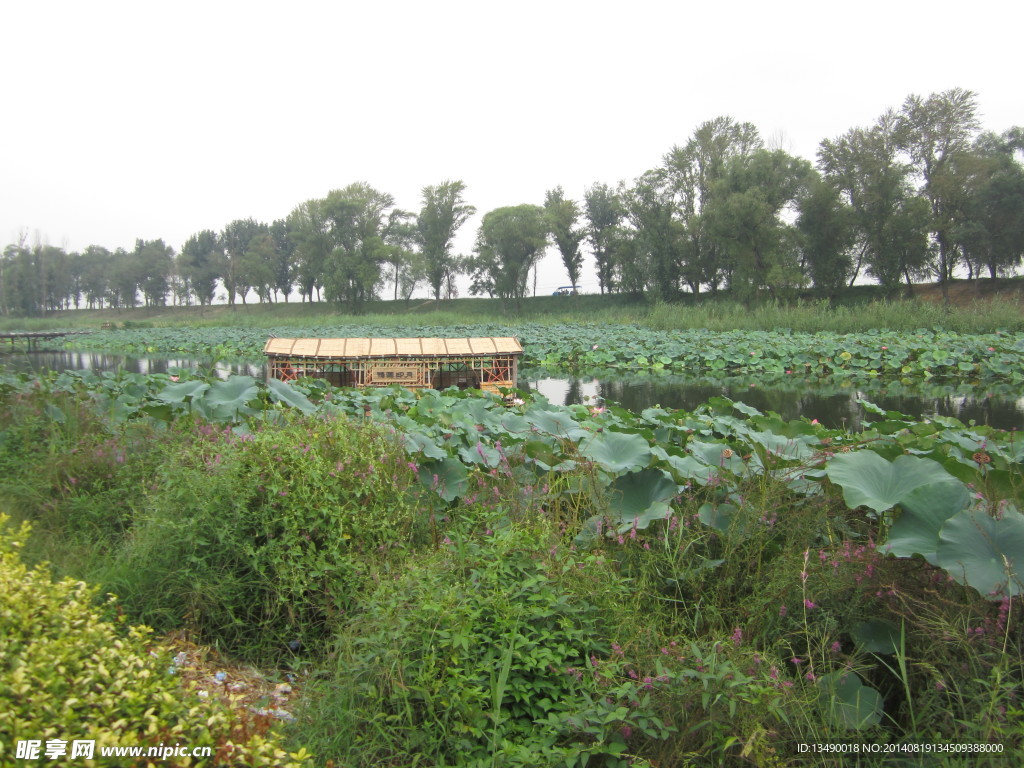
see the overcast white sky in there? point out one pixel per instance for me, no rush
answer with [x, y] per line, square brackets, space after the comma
[123, 120]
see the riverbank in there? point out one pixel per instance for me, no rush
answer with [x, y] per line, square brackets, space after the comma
[980, 306]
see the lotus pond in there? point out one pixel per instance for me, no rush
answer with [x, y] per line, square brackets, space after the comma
[458, 581]
[832, 400]
[926, 353]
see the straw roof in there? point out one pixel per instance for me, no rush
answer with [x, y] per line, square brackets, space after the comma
[417, 347]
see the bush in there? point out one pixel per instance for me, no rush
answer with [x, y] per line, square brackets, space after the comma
[480, 654]
[69, 670]
[292, 521]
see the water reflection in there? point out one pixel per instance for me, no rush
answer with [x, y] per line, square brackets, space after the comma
[64, 360]
[833, 404]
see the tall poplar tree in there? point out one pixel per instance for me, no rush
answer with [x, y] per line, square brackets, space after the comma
[562, 216]
[444, 212]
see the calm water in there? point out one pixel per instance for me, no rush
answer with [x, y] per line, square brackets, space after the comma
[831, 404]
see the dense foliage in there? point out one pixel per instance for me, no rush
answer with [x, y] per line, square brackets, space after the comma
[74, 669]
[477, 583]
[919, 195]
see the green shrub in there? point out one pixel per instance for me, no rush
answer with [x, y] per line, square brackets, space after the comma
[291, 522]
[69, 670]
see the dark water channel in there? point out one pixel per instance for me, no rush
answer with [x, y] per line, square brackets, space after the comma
[833, 404]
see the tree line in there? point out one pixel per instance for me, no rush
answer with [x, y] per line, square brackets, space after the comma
[919, 195]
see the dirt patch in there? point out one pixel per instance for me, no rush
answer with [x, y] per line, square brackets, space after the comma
[257, 696]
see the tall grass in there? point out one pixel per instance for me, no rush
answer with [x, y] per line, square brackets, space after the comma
[859, 309]
[811, 317]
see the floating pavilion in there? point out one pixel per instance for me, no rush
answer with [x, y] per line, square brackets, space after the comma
[488, 363]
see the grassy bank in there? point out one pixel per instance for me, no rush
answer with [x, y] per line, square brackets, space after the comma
[979, 307]
[458, 583]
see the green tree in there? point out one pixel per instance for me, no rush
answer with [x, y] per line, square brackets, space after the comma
[693, 170]
[18, 280]
[125, 277]
[508, 244]
[236, 239]
[827, 228]
[155, 262]
[604, 213]
[562, 216]
[258, 262]
[201, 263]
[745, 214]
[307, 231]
[655, 236]
[932, 132]
[443, 213]
[96, 261]
[76, 274]
[283, 266]
[990, 219]
[400, 236]
[356, 217]
[865, 167]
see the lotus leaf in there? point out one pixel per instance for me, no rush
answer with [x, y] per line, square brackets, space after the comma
[925, 511]
[282, 392]
[847, 702]
[448, 477]
[480, 453]
[877, 636]
[178, 393]
[554, 422]
[228, 399]
[616, 451]
[718, 516]
[984, 552]
[637, 498]
[717, 455]
[417, 442]
[870, 481]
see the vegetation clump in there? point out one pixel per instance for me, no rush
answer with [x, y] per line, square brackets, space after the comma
[465, 582]
[72, 667]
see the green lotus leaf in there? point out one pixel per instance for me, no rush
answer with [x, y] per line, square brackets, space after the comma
[877, 636]
[228, 399]
[177, 393]
[718, 516]
[848, 703]
[688, 468]
[637, 498]
[282, 392]
[555, 422]
[716, 455]
[796, 448]
[448, 477]
[925, 511]
[480, 453]
[870, 481]
[417, 442]
[984, 552]
[617, 451]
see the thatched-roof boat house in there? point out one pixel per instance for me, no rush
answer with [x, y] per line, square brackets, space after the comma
[488, 363]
